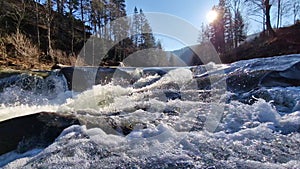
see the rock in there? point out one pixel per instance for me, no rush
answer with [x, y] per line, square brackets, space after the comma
[58, 66]
[82, 78]
[240, 82]
[285, 78]
[32, 131]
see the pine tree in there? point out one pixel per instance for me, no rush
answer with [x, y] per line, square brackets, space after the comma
[238, 29]
[147, 39]
[225, 29]
[159, 45]
[203, 34]
[228, 25]
[84, 5]
[217, 28]
[72, 7]
[135, 27]
[120, 28]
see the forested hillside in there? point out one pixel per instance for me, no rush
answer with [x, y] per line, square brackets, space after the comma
[230, 21]
[38, 34]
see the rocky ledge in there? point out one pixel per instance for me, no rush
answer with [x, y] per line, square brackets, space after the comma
[32, 131]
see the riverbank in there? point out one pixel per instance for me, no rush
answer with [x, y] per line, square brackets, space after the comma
[286, 42]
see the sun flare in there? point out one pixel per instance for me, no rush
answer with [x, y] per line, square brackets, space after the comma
[211, 16]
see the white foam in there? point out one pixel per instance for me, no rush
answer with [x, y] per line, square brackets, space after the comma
[256, 135]
[23, 158]
[9, 112]
[290, 122]
[95, 99]
[178, 76]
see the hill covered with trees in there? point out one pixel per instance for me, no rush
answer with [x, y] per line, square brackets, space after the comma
[36, 34]
[286, 41]
[228, 31]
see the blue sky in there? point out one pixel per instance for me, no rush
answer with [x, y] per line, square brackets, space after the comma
[193, 11]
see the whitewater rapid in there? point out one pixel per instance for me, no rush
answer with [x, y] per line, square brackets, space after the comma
[242, 115]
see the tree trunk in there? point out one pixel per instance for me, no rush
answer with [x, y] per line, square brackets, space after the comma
[73, 35]
[295, 10]
[49, 13]
[82, 19]
[49, 51]
[278, 13]
[83, 24]
[268, 20]
[71, 10]
[60, 6]
[37, 22]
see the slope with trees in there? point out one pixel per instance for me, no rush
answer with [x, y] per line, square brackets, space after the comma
[228, 32]
[58, 29]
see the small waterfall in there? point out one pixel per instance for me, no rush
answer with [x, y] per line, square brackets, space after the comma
[32, 88]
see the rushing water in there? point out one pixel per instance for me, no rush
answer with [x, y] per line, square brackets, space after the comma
[242, 115]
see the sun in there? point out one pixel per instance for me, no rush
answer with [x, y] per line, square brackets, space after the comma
[211, 16]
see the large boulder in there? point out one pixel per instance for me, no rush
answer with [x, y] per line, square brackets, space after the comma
[32, 131]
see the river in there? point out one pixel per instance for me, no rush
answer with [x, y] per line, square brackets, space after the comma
[240, 115]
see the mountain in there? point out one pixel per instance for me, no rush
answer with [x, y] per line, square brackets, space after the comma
[197, 54]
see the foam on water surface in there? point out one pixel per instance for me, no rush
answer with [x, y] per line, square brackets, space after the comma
[23, 110]
[166, 121]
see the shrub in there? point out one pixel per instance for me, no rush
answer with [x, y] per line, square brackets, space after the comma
[23, 45]
[2, 49]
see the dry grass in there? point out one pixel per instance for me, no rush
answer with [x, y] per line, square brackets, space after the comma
[2, 50]
[23, 45]
[19, 52]
[287, 41]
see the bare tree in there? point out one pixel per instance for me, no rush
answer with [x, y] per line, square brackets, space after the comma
[239, 29]
[265, 7]
[72, 7]
[283, 9]
[84, 6]
[296, 9]
[279, 10]
[37, 20]
[49, 18]
[17, 14]
[255, 8]
[286, 9]
[268, 18]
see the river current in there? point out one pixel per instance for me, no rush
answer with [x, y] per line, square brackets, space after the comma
[240, 115]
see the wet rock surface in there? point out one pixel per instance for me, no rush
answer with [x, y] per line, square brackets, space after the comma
[32, 131]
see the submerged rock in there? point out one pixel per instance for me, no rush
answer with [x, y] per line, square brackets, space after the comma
[32, 131]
